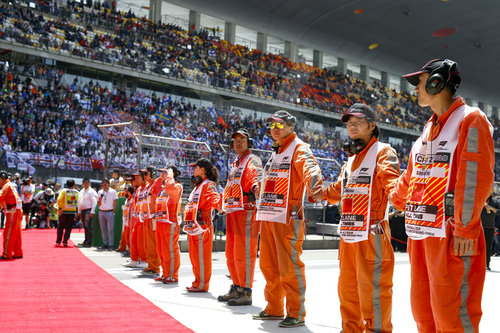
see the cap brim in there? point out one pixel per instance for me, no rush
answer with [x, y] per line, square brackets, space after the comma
[355, 114]
[192, 164]
[269, 119]
[238, 133]
[413, 78]
[163, 170]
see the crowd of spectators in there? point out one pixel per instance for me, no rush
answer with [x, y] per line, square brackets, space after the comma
[64, 116]
[114, 37]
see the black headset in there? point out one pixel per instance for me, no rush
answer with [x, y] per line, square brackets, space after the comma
[440, 77]
[152, 172]
[291, 120]
[4, 175]
[354, 146]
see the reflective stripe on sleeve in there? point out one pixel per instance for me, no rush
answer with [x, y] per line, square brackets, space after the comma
[470, 177]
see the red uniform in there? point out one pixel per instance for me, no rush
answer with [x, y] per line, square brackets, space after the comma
[12, 237]
[281, 242]
[168, 229]
[200, 245]
[367, 266]
[446, 289]
[242, 228]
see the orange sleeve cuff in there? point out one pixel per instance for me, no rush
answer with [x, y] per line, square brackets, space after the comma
[464, 232]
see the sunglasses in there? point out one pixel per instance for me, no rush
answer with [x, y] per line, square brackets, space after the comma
[278, 125]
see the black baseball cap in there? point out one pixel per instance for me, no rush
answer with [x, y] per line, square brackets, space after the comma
[175, 170]
[202, 163]
[359, 110]
[241, 131]
[282, 116]
[441, 66]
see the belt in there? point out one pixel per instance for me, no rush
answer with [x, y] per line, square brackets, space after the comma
[84, 210]
[106, 211]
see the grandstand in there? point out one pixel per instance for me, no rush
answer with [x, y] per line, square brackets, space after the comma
[89, 86]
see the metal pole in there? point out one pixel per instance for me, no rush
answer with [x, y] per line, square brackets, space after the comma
[106, 159]
[324, 220]
[139, 151]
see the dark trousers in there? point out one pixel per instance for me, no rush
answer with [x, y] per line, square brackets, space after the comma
[65, 223]
[87, 224]
[488, 237]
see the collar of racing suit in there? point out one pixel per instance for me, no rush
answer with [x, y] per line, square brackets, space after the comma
[286, 142]
[438, 123]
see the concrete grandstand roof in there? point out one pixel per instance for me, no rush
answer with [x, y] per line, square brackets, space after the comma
[403, 30]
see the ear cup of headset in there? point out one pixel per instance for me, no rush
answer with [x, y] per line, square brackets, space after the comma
[354, 146]
[152, 171]
[435, 84]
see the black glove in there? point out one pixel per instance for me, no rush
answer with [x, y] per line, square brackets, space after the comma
[250, 196]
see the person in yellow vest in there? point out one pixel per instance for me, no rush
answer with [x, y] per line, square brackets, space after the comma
[117, 183]
[53, 214]
[242, 227]
[68, 203]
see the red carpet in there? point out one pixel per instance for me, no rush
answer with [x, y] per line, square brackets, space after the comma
[60, 290]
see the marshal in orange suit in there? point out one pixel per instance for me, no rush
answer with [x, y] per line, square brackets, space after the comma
[365, 252]
[11, 203]
[198, 222]
[449, 177]
[291, 172]
[167, 225]
[242, 230]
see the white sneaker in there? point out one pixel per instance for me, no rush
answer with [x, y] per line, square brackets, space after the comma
[142, 264]
[132, 264]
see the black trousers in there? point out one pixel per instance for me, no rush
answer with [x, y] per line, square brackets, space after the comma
[66, 224]
[488, 237]
[87, 224]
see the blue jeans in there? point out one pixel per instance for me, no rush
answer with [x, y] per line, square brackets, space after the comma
[107, 223]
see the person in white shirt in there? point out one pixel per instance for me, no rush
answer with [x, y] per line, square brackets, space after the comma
[107, 198]
[87, 201]
[27, 191]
